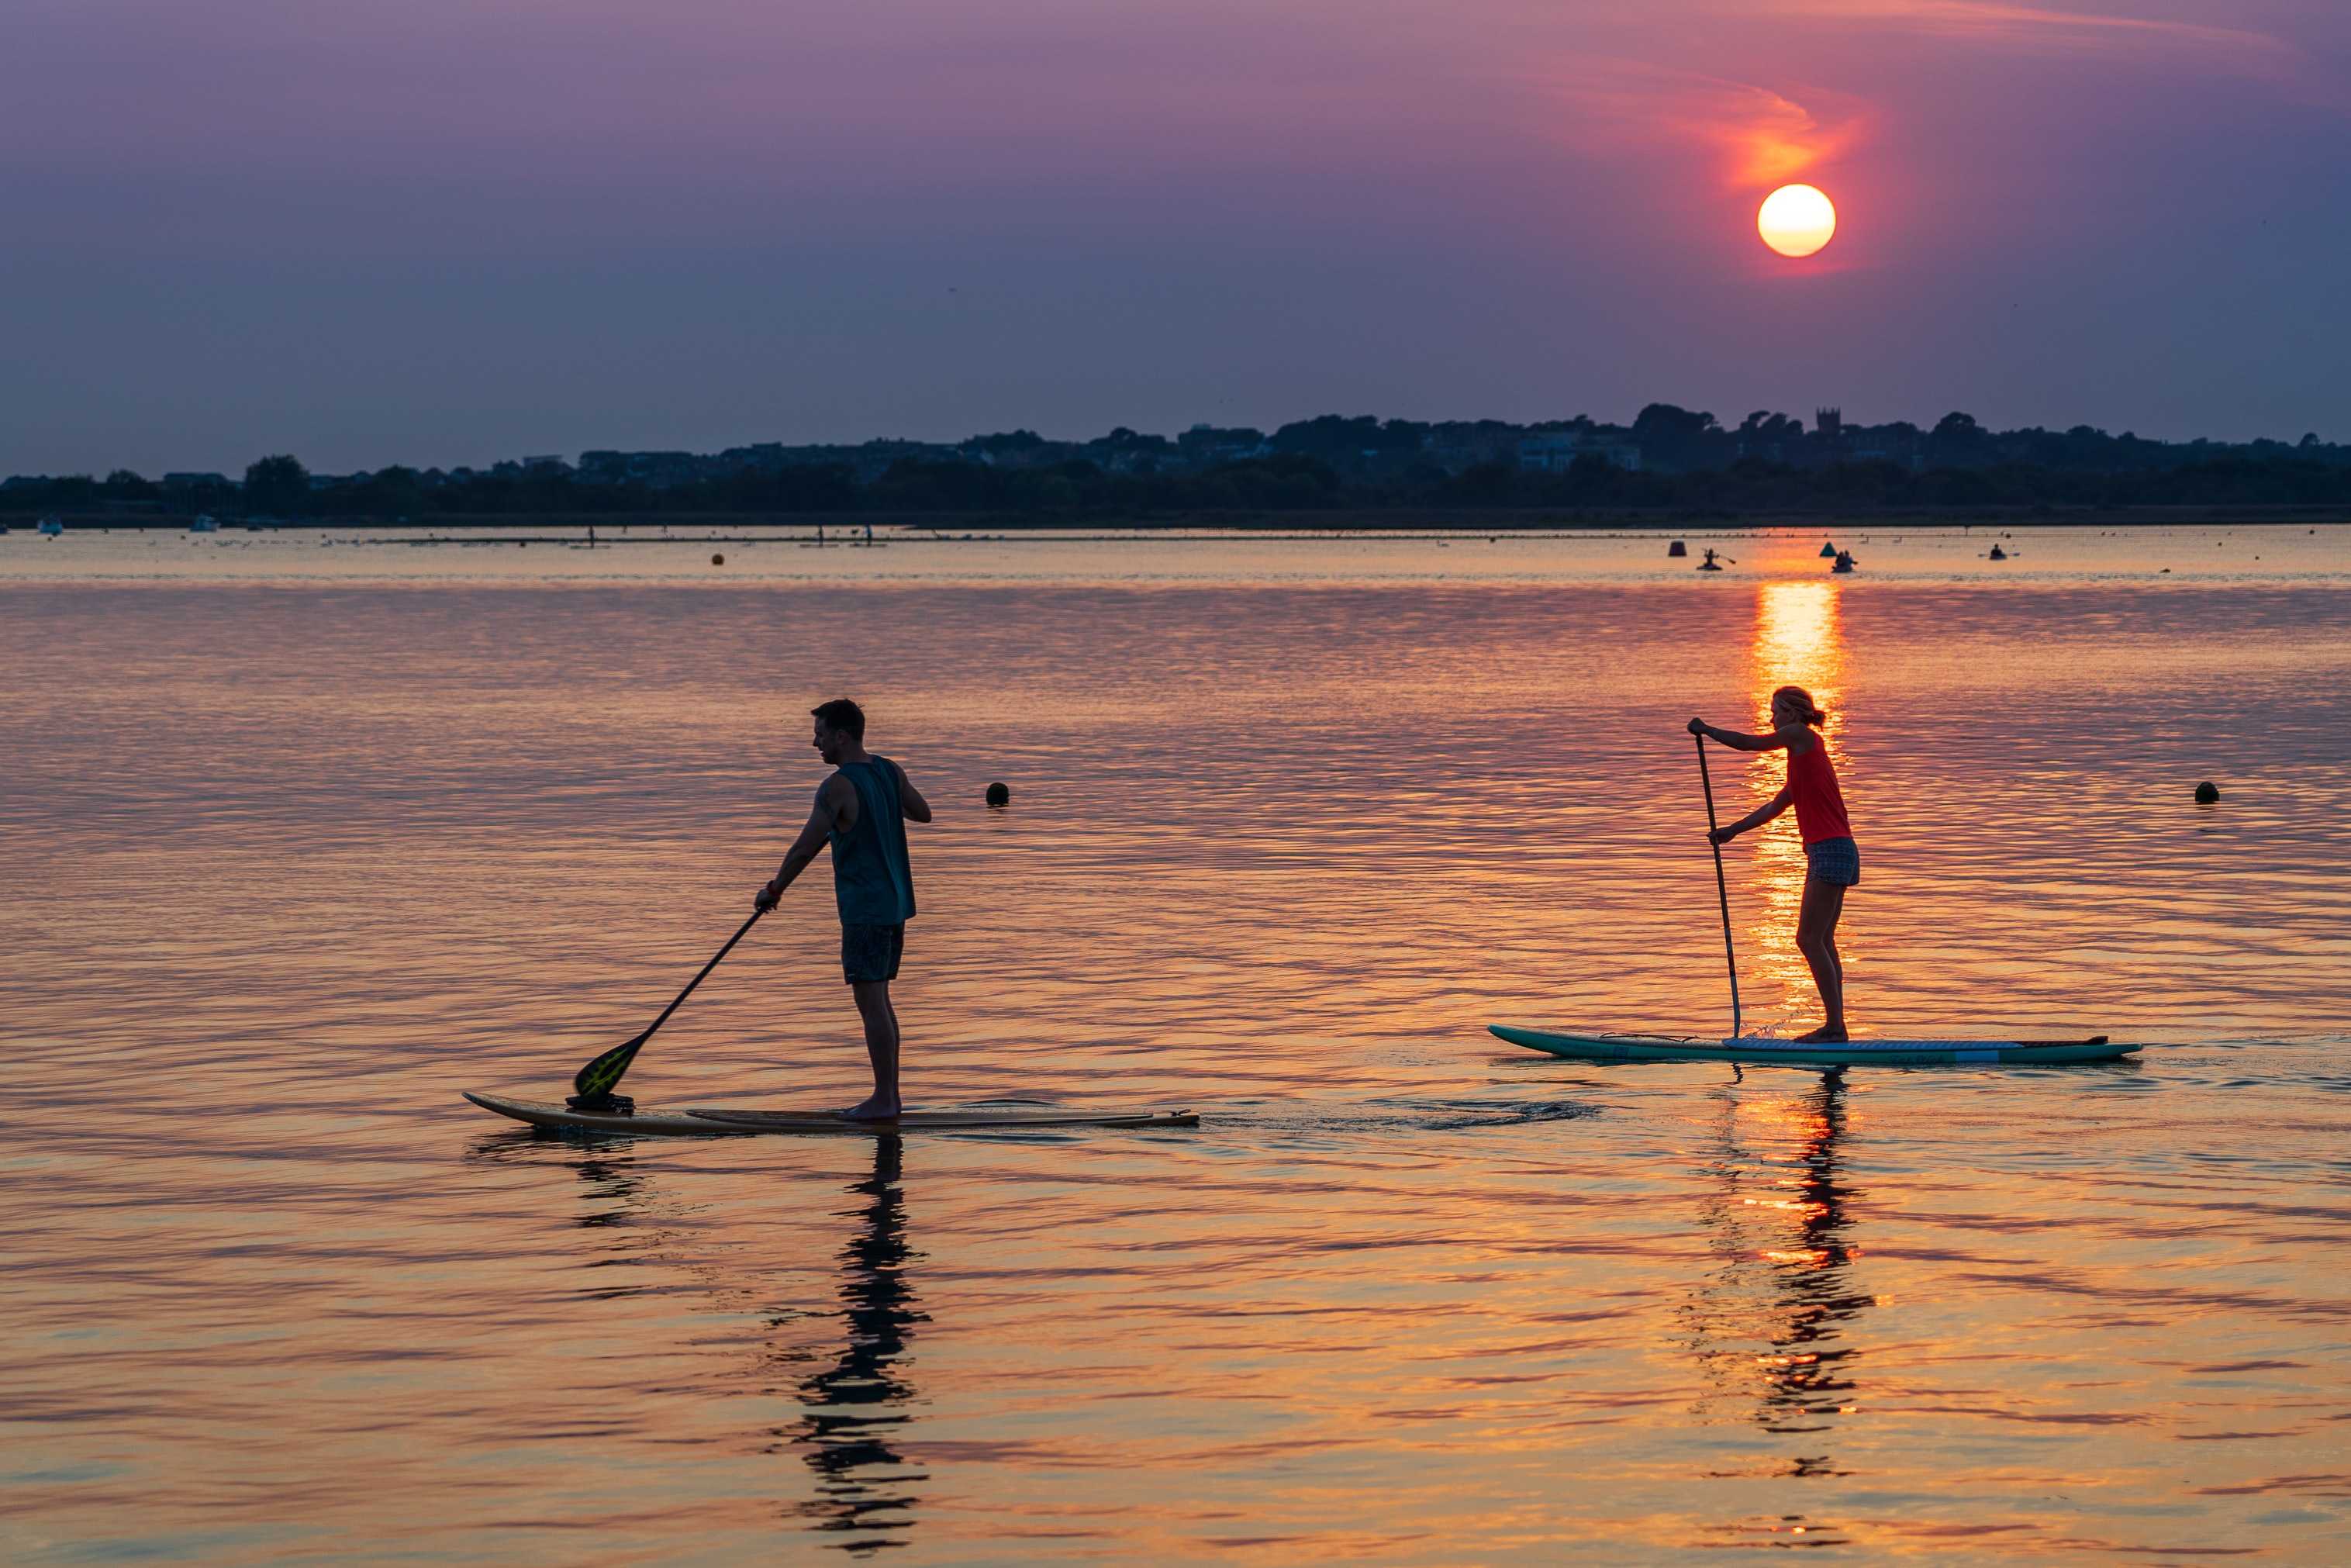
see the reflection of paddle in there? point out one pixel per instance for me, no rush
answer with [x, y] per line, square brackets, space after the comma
[1721, 888]
[594, 1083]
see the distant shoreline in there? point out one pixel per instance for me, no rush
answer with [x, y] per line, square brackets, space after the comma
[720, 528]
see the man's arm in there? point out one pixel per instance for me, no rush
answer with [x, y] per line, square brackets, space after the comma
[910, 799]
[823, 819]
[1756, 818]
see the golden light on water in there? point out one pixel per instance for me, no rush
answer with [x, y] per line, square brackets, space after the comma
[1796, 643]
[1796, 220]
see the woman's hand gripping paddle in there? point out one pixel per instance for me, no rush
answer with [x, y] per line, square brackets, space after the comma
[1721, 888]
[594, 1082]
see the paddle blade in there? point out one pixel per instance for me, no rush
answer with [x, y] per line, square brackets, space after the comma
[598, 1077]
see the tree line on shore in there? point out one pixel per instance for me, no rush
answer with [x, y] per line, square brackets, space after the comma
[1669, 459]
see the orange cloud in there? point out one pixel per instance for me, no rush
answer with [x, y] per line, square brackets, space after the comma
[1759, 136]
[1770, 139]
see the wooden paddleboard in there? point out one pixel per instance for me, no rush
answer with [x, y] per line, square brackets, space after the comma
[704, 1124]
[1602, 1046]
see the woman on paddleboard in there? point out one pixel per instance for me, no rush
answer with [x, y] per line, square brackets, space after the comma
[1833, 860]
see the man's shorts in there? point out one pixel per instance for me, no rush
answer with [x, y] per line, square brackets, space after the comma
[871, 952]
[1835, 861]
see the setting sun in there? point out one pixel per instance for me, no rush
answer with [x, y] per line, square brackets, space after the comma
[1796, 220]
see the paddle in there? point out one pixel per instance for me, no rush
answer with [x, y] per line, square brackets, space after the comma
[1721, 888]
[594, 1082]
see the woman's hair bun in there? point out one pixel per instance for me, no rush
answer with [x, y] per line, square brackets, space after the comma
[1812, 714]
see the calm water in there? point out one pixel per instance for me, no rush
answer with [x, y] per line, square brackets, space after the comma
[297, 842]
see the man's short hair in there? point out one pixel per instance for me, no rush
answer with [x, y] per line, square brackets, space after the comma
[843, 716]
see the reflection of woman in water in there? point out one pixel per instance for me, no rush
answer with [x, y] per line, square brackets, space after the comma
[1833, 860]
[1772, 1326]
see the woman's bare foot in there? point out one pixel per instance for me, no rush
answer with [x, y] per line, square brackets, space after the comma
[1825, 1035]
[873, 1108]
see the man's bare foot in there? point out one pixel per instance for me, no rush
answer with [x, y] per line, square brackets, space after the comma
[873, 1108]
[1823, 1034]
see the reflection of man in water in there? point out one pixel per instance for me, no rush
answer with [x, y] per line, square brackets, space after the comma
[849, 1405]
[861, 810]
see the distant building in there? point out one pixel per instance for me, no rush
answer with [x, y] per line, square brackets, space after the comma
[1463, 443]
[653, 470]
[1555, 453]
[198, 482]
[867, 460]
[1206, 446]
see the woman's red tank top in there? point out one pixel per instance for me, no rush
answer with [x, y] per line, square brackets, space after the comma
[1820, 804]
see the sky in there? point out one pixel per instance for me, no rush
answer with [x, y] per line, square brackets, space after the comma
[443, 231]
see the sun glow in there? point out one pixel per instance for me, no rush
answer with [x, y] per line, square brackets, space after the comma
[1798, 642]
[1796, 220]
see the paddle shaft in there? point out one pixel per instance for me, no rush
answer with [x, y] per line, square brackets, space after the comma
[612, 1063]
[1721, 887]
[742, 931]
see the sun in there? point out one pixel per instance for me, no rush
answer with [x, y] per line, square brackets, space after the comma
[1796, 220]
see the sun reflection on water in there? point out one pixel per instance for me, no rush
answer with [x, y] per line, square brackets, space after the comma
[1797, 644]
[1771, 1327]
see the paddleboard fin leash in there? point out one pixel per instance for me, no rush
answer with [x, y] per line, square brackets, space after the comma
[592, 1084]
[1721, 888]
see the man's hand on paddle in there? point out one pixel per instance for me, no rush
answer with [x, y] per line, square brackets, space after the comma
[835, 810]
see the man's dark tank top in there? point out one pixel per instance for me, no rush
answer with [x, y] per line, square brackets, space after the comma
[871, 881]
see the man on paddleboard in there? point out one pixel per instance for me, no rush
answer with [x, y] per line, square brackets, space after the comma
[1833, 860]
[862, 810]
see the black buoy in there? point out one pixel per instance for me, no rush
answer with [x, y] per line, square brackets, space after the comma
[1678, 549]
[1828, 550]
[718, 560]
[998, 795]
[2208, 794]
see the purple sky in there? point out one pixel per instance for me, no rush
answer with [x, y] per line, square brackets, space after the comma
[447, 231]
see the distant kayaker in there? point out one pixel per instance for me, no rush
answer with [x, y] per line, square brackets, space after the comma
[861, 810]
[1833, 860]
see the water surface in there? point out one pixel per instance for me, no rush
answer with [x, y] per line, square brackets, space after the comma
[290, 856]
